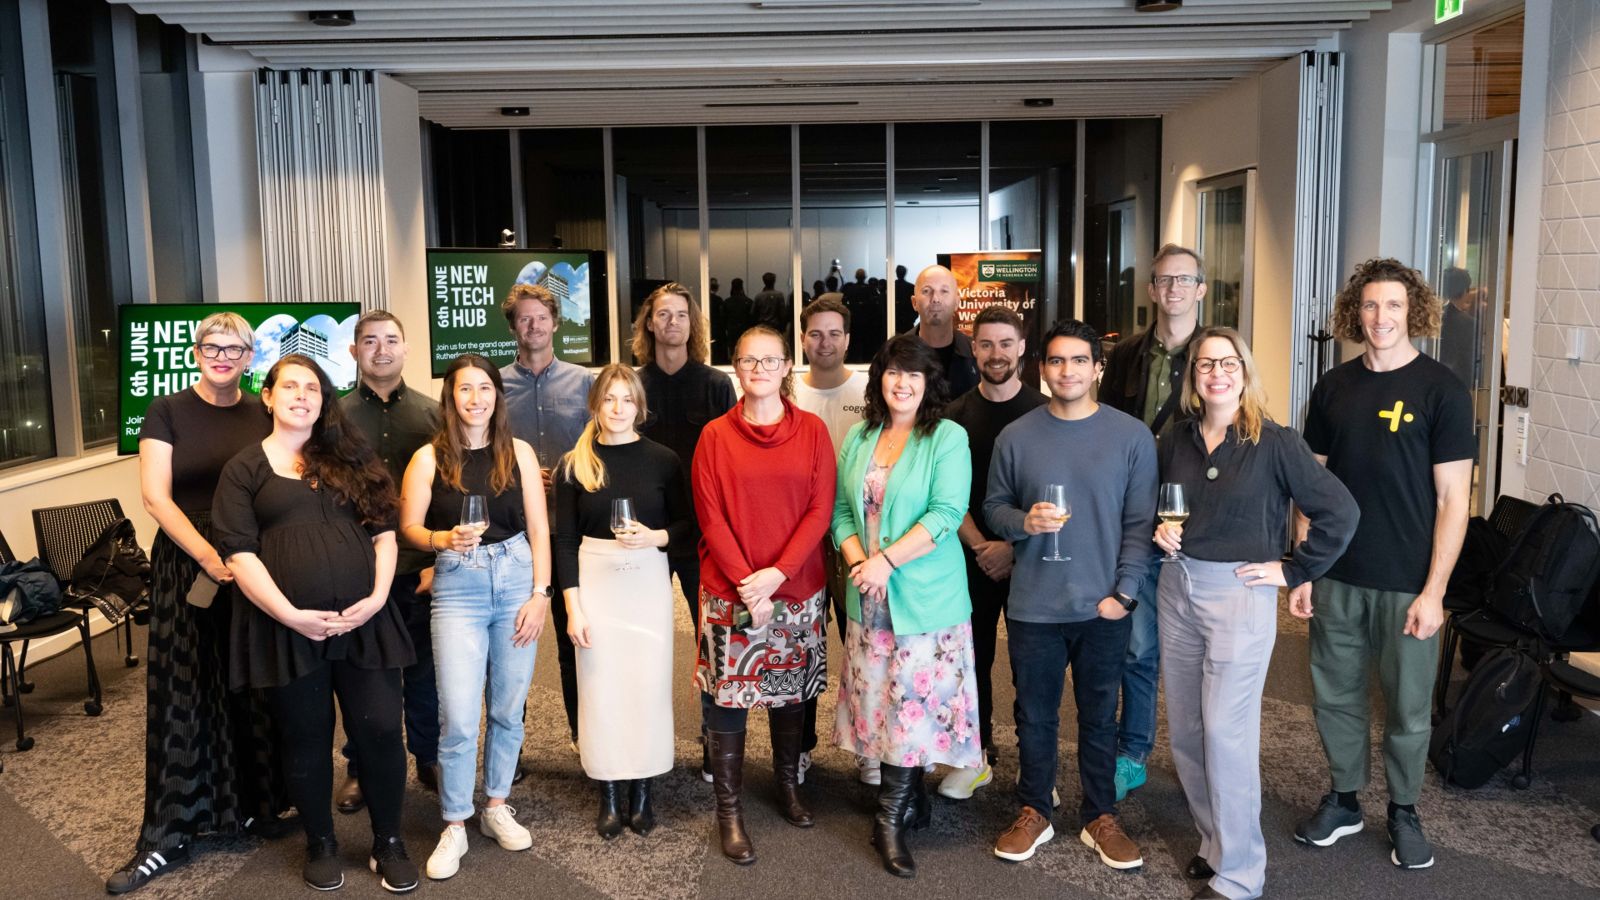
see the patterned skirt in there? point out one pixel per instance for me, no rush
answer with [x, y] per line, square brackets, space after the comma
[209, 759]
[779, 665]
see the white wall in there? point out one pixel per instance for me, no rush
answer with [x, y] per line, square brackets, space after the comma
[1020, 201]
[921, 233]
[233, 240]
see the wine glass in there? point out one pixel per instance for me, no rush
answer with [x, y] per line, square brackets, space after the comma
[1172, 509]
[1056, 495]
[622, 521]
[475, 515]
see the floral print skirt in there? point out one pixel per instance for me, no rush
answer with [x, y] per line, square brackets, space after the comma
[908, 699]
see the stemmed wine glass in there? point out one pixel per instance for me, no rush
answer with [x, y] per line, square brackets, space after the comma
[475, 515]
[622, 521]
[1172, 509]
[1056, 495]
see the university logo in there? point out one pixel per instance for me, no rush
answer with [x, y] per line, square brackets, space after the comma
[1396, 415]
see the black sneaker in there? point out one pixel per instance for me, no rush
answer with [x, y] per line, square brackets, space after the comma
[324, 870]
[145, 865]
[272, 828]
[397, 872]
[1329, 823]
[1411, 849]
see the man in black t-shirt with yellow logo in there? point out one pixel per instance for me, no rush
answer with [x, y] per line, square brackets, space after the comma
[1396, 427]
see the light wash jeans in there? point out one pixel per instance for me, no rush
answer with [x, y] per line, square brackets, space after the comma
[1136, 727]
[474, 617]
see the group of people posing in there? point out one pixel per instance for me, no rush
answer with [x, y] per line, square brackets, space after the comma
[402, 555]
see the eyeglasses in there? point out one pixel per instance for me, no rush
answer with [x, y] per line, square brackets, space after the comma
[1229, 364]
[1186, 281]
[768, 363]
[232, 351]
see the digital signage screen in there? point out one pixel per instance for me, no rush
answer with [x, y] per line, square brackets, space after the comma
[466, 288]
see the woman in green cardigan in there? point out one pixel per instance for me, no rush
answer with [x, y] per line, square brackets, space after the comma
[908, 697]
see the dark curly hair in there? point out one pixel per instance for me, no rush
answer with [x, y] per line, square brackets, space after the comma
[337, 455]
[908, 353]
[1423, 310]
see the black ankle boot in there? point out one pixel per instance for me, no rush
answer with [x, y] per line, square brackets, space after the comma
[727, 771]
[609, 822]
[787, 723]
[641, 814]
[896, 795]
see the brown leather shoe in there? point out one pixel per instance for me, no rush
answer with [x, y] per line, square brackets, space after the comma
[348, 797]
[1018, 842]
[1107, 838]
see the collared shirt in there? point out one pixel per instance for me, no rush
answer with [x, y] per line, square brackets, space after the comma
[1158, 381]
[548, 409]
[395, 428]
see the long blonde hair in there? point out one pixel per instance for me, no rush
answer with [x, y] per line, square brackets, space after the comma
[1252, 397]
[581, 462]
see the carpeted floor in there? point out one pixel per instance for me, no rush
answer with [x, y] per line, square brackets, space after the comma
[69, 811]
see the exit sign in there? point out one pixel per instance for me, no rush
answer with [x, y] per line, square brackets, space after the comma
[1444, 10]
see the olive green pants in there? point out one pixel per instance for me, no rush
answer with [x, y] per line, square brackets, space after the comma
[1353, 630]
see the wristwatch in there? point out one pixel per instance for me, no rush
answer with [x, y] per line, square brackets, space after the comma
[1128, 603]
[545, 590]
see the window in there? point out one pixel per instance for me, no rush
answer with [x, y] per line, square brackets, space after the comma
[843, 179]
[1222, 238]
[750, 205]
[1478, 75]
[657, 215]
[1032, 173]
[937, 166]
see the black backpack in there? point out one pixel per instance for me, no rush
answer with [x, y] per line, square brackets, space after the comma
[1488, 727]
[1543, 582]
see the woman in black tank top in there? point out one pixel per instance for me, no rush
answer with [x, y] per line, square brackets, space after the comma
[491, 583]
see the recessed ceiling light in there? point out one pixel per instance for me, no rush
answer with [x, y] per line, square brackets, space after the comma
[332, 17]
[513, 110]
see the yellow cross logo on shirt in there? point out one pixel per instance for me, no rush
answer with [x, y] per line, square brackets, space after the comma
[1395, 415]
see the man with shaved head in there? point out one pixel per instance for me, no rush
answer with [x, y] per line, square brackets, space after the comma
[935, 299]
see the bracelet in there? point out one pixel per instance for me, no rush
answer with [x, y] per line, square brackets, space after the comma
[885, 555]
[431, 545]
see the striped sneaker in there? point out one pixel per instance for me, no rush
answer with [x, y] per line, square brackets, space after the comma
[145, 865]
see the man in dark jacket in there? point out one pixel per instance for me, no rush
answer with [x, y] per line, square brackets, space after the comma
[1144, 378]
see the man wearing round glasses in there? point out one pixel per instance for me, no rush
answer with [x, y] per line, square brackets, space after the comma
[1144, 378]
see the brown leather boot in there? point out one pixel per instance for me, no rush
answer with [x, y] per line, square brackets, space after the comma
[727, 779]
[348, 798]
[787, 723]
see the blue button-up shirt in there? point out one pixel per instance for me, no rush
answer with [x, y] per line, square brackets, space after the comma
[548, 409]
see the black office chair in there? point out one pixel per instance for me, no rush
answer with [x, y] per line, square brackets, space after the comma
[64, 533]
[12, 685]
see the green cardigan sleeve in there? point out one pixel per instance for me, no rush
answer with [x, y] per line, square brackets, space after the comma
[950, 484]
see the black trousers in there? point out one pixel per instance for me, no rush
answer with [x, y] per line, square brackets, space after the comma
[566, 655]
[988, 605]
[733, 719]
[421, 691]
[371, 702]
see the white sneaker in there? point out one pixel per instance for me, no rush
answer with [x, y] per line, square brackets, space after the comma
[446, 858]
[960, 783]
[500, 823]
[800, 770]
[1055, 797]
[867, 770]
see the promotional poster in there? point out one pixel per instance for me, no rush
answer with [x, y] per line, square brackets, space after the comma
[1007, 277]
[467, 287]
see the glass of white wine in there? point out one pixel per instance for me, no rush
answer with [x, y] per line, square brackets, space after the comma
[1056, 495]
[1172, 509]
[622, 522]
[475, 515]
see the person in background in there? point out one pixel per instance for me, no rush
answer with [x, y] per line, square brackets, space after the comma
[682, 394]
[305, 520]
[738, 315]
[905, 312]
[491, 591]
[935, 299]
[1239, 472]
[835, 394]
[1143, 378]
[619, 596]
[771, 307]
[983, 412]
[208, 759]
[859, 298]
[907, 695]
[545, 403]
[396, 420]
[763, 479]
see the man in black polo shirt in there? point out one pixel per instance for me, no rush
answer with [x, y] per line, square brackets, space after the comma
[396, 421]
[935, 299]
[1144, 378]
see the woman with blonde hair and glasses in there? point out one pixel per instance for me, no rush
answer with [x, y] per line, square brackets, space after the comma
[1239, 472]
[621, 502]
[763, 488]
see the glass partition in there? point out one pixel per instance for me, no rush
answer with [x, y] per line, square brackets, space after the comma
[843, 180]
[657, 214]
[750, 209]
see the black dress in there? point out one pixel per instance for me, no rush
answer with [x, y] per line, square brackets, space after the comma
[321, 557]
[209, 759]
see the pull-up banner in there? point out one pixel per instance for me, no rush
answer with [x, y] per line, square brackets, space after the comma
[156, 349]
[1009, 278]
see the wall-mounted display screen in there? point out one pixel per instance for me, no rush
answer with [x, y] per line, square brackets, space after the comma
[466, 288]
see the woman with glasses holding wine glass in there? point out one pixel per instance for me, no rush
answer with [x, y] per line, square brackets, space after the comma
[475, 498]
[909, 694]
[763, 477]
[1229, 476]
[621, 503]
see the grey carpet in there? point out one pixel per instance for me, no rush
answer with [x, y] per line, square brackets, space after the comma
[69, 810]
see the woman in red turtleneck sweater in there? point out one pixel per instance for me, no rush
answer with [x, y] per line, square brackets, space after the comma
[763, 489]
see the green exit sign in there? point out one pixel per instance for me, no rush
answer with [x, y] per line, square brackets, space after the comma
[1444, 10]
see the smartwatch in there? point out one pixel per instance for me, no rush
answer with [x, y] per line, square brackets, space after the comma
[1128, 603]
[545, 590]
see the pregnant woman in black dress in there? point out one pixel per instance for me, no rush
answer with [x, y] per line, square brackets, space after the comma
[305, 520]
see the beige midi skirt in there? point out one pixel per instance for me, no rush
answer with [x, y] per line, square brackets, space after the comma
[625, 675]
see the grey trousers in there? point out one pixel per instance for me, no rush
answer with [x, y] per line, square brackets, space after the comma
[1216, 642]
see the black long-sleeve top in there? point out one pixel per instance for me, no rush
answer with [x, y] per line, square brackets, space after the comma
[1243, 512]
[644, 470]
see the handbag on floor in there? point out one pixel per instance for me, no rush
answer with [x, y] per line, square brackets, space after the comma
[1488, 727]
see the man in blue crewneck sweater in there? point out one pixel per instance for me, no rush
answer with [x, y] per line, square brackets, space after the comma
[1073, 612]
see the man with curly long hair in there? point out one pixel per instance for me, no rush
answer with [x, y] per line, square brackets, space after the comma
[1396, 427]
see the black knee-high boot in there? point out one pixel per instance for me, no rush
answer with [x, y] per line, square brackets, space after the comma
[896, 797]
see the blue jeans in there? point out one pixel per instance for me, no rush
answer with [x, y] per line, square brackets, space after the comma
[1136, 729]
[1040, 654]
[474, 618]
